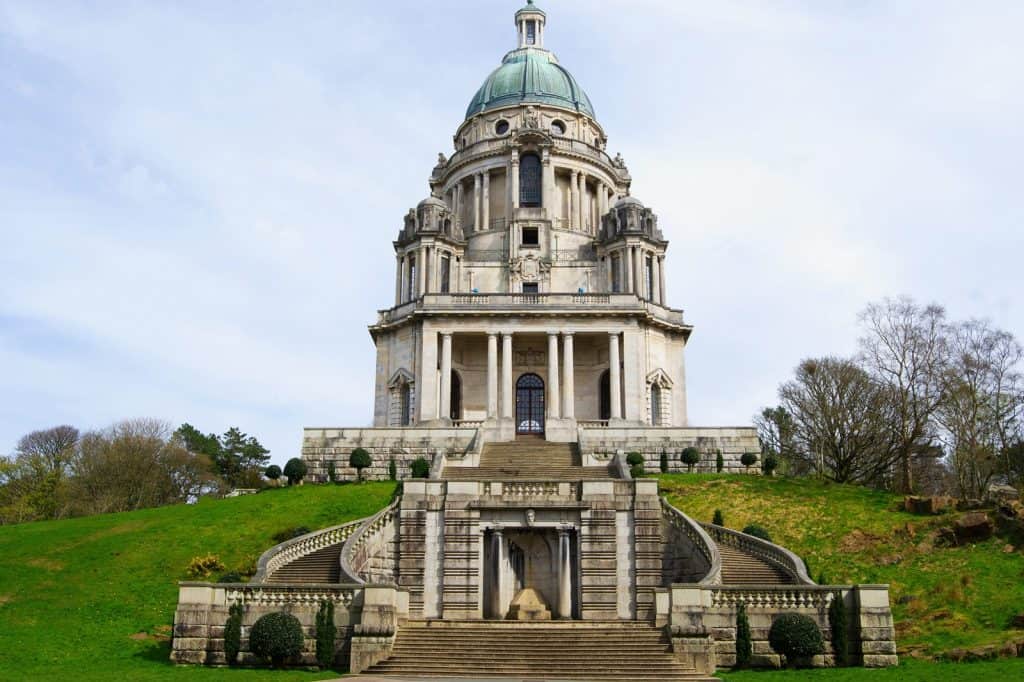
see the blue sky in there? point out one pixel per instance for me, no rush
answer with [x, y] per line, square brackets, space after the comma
[197, 202]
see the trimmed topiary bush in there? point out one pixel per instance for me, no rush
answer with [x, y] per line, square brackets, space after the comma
[719, 462]
[690, 457]
[295, 470]
[420, 468]
[273, 472]
[837, 622]
[769, 464]
[332, 472]
[719, 518]
[326, 634]
[359, 460]
[276, 637]
[233, 634]
[663, 462]
[392, 470]
[744, 642]
[796, 637]
[757, 531]
[634, 459]
[636, 471]
[748, 459]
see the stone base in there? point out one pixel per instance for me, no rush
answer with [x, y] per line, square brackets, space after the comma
[529, 605]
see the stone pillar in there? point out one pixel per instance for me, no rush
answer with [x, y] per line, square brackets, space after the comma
[638, 272]
[457, 208]
[446, 377]
[602, 200]
[661, 280]
[508, 398]
[492, 376]
[582, 194]
[399, 278]
[554, 395]
[478, 182]
[614, 380]
[548, 197]
[421, 266]
[564, 575]
[656, 276]
[568, 377]
[627, 262]
[426, 387]
[574, 201]
[515, 184]
[497, 565]
[485, 208]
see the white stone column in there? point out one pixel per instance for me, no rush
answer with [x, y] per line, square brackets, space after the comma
[568, 377]
[457, 205]
[446, 376]
[548, 198]
[426, 387]
[508, 398]
[497, 567]
[421, 275]
[638, 271]
[492, 376]
[661, 280]
[602, 200]
[656, 276]
[564, 575]
[515, 184]
[554, 395]
[582, 194]
[399, 276]
[627, 262]
[485, 208]
[574, 201]
[478, 182]
[614, 379]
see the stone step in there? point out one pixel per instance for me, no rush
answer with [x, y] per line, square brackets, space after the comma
[321, 566]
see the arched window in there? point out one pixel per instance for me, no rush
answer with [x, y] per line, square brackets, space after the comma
[530, 404]
[456, 411]
[605, 396]
[529, 181]
[655, 405]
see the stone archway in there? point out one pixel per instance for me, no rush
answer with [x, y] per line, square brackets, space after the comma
[530, 405]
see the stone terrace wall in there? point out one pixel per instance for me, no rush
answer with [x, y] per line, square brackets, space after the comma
[320, 446]
[650, 441]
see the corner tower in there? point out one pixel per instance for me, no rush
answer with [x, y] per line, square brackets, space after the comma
[530, 285]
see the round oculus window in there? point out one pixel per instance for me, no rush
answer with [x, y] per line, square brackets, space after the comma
[558, 128]
[501, 127]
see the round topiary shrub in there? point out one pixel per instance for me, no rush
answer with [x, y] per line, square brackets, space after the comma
[769, 464]
[420, 468]
[757, 531]
[276, 637]
[295, 470]
[796, 637]
[719, 518]
[636, 471]
[748, 459]
[359, 460]
[635, 459]
[690, 457]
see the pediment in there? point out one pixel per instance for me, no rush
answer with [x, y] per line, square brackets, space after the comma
[660, 377]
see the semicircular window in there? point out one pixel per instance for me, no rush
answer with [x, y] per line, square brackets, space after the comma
[557, 128]
[529, 181]
[501, 127]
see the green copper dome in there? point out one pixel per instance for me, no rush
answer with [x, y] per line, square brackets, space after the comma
[530, 76]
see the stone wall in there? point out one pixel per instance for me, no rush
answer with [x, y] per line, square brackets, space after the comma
[320, 446]
[602, 443]
[712, 610]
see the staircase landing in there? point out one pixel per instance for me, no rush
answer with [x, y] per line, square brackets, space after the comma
[529, 459]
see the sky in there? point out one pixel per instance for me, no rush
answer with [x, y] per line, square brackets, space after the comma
[198, 199]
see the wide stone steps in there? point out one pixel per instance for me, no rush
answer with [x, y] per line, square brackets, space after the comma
[321, 566]
[741, 568]
[552, 651]
[528, 460]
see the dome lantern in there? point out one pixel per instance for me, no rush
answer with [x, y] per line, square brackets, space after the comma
[530, 22]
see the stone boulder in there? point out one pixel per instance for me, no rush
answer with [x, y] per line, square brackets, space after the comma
[1001, 494]
[973, 527]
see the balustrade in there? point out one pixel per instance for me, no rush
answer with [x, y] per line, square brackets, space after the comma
[287, 552]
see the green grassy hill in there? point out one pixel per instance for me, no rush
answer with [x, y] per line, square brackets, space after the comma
[942, 598]
[94, 598]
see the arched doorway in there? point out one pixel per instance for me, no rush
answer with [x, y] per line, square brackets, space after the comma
[456, 396]
[530, 404]
[605, 396]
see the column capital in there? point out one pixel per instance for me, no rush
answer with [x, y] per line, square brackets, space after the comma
[554, 333]
[505, 335]
[568, 333]
[575, 174]
[447, 335]
[492, 335]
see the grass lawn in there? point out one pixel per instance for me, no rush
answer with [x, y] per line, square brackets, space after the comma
[941, 598]
[908, 671]
[94, 598]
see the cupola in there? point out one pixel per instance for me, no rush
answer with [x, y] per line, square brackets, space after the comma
[530, 22]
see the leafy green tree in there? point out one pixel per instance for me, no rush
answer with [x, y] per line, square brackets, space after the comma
[359, 460]
[837, 622]
[295, 470]
[241, 458]
[326, 634]
[719, 518]
[744, 641]
[690, 457]
[273, 472]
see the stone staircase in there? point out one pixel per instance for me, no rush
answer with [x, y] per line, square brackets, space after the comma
[567, 650]
[528, 460]
[741, 568]
[321, 566]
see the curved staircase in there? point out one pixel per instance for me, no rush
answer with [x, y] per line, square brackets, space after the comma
[321, 566]
[575, 650]
[528, 460]
[743, 568]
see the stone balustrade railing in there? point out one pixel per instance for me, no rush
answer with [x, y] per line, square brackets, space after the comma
[762, 549]
[296, 548]
[289, 595]
[696, 534]
[522, 490]
[781, 597]
[368, 555]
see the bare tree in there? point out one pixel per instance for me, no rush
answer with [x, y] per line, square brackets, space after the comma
[903, 348]
[841, 420]
[982, 397]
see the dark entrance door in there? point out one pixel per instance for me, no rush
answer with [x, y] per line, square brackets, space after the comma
[530, 404]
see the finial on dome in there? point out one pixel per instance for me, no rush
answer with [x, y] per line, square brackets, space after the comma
[530, 22]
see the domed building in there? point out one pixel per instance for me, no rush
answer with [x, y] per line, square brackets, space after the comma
[528, 349]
